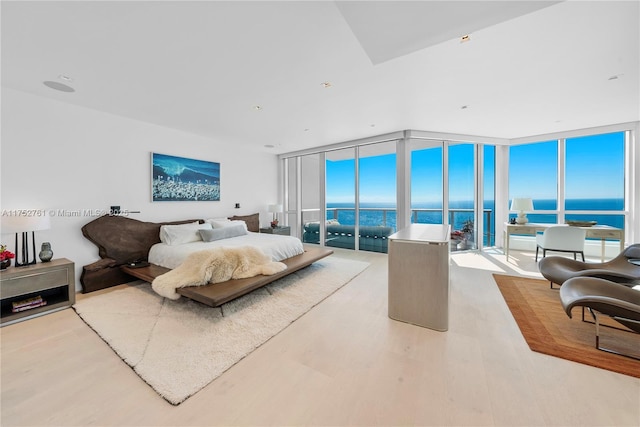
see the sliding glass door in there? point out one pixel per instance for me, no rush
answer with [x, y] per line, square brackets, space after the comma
[461, 185]
[489, 195]
[377, 195]
[310, 198]
[348, 196]
[341, 218]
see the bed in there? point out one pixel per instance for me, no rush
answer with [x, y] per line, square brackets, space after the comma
[125, 243]
[276, 246]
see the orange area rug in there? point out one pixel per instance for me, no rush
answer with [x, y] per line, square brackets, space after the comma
[547, 328]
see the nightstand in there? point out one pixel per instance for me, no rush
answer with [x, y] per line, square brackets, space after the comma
[53, 281]
[283, 231]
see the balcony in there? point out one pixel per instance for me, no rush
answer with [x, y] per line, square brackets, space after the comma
[386, 217]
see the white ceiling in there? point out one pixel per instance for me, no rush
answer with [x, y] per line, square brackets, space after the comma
[529, 68]
[388, 30]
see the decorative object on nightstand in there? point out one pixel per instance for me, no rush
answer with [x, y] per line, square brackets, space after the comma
[5, 257]
[274, 209]
[45, 252]
[22, 224]
[522, 205]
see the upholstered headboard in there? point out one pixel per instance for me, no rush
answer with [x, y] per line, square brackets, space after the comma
[253, 221]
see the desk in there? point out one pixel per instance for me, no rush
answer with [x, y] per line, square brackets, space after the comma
[602, 232]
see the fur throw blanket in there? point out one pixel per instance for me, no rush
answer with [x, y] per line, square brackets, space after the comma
[215, 266]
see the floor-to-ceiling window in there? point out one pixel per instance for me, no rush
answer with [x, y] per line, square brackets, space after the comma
[533, 173]
[461, 185]
[341, 198]
[361, 196]
[376, 195]
[291, 200]
[489, 195]
[594, 179]
[587, 186]
[426, 182]
[310, 197]
[578, 178]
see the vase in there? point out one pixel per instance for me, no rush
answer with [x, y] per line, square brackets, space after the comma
[5, 263]
[46, 253]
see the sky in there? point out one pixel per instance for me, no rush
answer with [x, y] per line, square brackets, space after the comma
[378, 177]
[594, 169]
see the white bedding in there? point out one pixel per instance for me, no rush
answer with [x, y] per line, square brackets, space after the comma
[278, 247]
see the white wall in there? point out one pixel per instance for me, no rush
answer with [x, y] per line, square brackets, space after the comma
[57, 156]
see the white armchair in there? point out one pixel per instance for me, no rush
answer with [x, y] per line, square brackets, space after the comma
[561, 238]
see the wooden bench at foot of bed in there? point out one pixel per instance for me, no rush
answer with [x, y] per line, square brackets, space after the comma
[216, 294]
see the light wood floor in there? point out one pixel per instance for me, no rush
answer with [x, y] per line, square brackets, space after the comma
[343, 363]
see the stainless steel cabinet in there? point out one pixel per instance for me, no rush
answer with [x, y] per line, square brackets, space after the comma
[419, 276]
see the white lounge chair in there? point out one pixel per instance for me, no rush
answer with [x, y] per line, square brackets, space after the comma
[561, 238]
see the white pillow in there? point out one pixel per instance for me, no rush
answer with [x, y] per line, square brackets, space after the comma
[163, 234]
[227, 223]
[183, 233]
[217, 220]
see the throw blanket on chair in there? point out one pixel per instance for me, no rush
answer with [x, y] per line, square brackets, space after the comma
[215, 266]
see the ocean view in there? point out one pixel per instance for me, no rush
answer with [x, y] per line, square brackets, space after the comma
[384, 214]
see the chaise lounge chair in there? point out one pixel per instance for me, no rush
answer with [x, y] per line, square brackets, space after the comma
[599, 296]
[619, 269]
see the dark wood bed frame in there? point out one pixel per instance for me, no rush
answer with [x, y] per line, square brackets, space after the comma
[216, 294]
[122, 240]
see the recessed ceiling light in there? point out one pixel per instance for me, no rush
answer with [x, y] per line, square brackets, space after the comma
[65, 78]
[465, 38]
[257, 107]
[326, 84]
[464, 107]
[58, 86]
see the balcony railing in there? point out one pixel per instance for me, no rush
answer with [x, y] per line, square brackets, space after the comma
[387, 218]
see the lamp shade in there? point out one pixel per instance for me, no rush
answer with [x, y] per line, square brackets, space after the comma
[20, 224]
[522, 204]
[274, 208]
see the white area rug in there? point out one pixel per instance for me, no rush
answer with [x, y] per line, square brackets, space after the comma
[178, 347]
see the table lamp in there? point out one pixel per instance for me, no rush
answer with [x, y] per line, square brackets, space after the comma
[522, 205]
[22, 224]
[275, 208]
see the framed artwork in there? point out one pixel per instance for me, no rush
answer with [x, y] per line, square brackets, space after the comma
[181, 179]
